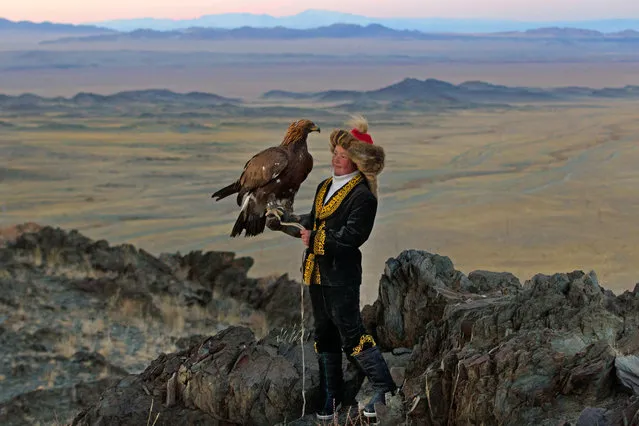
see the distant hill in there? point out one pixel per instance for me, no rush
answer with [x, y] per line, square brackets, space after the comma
[575, 33]
[158, 96]
[278, 33]
[320, 18]
[409, 94]
[437, 91]
[6, 25]
[339, 31]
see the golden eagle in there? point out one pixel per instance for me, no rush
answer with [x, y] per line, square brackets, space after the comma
[271, 177]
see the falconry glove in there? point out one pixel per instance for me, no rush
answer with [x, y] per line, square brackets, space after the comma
[277, 215]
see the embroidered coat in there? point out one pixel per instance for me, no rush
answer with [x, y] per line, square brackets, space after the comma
[339, 228]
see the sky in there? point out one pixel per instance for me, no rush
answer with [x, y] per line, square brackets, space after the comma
[81, 11]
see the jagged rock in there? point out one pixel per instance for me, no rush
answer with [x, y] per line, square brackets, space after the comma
[184, 343]
[628, 371]
[592, 417]
[538, 354]
[229, 378]
[49, 406]
[490, 282]
[415, 289]
[625, 413]
[481, 349]
[278, 297]
[65, 297]
[11, 233]
[136, 277]
[74, 382]
[97, 268]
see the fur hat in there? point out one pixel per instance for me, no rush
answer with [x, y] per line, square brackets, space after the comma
[368, 157]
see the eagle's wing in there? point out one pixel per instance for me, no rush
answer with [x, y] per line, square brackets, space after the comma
[263, 167]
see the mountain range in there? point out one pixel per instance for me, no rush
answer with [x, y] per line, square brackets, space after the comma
[313, 18]
[407, 90]
[7, 25]
[150, 96]
[340, 31]
[437, 91]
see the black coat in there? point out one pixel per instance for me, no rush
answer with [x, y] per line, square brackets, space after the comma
[339, 227]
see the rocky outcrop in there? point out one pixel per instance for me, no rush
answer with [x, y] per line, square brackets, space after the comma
[481, 348]
[81, 314]
[277, 297]
[228, 379]
[415, 290]
[494, 352]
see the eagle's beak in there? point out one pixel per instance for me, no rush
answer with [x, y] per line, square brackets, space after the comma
[315, 129]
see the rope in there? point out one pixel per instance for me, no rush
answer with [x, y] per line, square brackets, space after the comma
[302, 346]
[276, 212]
[295, 224]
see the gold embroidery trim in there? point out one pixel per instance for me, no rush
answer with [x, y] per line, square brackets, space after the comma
[308, 268]
[319, 240]
[319, 200]
[329, 208]
[366, 338]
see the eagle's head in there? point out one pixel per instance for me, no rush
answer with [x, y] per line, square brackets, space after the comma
[299, 130]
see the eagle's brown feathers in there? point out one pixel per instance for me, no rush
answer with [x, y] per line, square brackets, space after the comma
[263, 167]
[273, 175]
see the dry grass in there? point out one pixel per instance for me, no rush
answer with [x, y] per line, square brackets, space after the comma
[157, 416]
[68, 346]
[291, 334]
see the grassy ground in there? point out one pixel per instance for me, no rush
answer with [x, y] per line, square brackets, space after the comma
[545, 189]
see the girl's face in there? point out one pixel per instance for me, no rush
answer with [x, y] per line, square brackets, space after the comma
[342, 165]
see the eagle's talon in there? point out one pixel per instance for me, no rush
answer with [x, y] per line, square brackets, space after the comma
[275, 211]
[272, 208]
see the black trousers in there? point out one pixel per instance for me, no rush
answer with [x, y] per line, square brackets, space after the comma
[338, 322]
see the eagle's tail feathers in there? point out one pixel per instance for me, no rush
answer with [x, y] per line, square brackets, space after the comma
[249, 221]
[255, 225]
[239, 225]
[227, 190]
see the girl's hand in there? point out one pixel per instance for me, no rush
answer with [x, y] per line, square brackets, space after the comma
[306, 237]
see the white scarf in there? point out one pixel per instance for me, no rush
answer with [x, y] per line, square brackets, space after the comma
[338, 182]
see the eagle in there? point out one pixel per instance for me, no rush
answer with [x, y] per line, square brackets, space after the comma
[270, 178]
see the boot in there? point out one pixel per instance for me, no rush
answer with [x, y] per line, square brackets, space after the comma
[354, 383]
[374, 366]
[331, 384]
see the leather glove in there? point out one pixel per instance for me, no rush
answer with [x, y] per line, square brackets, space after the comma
[273, 223]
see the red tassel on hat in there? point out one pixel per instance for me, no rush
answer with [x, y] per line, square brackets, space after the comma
[364, 137]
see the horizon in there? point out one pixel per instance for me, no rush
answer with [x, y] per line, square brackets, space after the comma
[243, 99]
[78, 13]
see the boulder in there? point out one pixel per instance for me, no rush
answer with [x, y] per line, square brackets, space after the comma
[415, 289]
[494, 352]
[229, 378]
